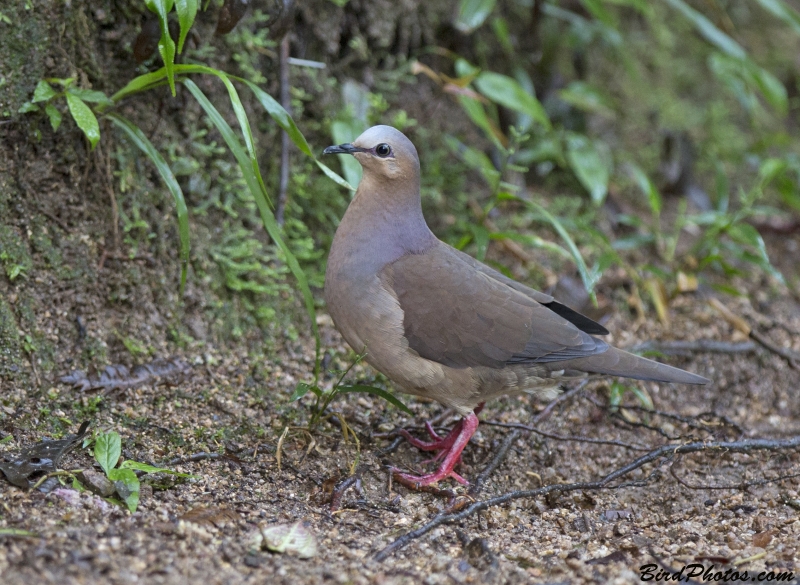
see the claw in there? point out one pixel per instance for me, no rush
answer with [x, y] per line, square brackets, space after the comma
[449, 447]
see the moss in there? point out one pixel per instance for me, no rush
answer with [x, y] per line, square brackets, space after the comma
[24, 44]
[10, 343]
[14, 254]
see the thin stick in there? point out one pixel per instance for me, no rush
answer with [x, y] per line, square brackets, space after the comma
[688, 348]
[577, 439]
[786, 354]
[599, 484]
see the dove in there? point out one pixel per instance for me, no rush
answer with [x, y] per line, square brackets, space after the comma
[439, 323]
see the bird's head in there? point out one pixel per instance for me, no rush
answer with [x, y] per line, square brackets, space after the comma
[384, 153]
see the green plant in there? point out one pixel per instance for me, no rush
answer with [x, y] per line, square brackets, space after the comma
[107, 452]
[325, 398]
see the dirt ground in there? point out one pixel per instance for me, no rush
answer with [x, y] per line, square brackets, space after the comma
[669, 508]
[83, 297]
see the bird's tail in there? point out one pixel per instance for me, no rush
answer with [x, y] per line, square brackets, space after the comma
[616, 362]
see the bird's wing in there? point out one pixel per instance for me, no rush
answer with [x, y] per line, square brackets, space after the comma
[582, 322]
[461, 317]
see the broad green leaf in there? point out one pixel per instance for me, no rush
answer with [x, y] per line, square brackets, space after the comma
[142, 142]
[588, 165]
[299, 391]
[477, 114]
[588, 280]
[28, 107]
[84, 118]
[507, 92]
[107, 449]
[90, 95]
[127, 486]
[708, 30]
[647, 187]
[472, 14]
[54, 115]
[187, 10]
[387, 396]
[256, 186]
[43, 92]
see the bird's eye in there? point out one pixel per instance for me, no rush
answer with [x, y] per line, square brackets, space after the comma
[383, 150]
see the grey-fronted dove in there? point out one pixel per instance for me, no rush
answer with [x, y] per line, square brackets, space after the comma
[439, 323]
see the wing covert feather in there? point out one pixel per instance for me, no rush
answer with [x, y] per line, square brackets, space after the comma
[462, 317]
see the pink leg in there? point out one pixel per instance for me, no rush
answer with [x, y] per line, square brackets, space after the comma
[451, 446]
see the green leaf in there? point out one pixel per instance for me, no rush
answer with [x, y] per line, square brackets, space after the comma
[166, 46]
[284, 120]
[648, 188]
[142, 142]
[589, 166]
[387, 396]
[781, 10]
[746, 234]
[507, 92]
[257, 189]
[187, 10]
[90, 95]
[107, 449]
[587, 98]
[299, 391]
[477, 113]
[708, 30]
[127, 485]
[43, 92]
[472, 14]
[54, 115]
[84, 118]
[475, 159]
[347, 130]
[136, 466]
[588, 279]
[17, 533]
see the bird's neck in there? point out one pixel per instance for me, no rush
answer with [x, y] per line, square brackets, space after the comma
[382, 225]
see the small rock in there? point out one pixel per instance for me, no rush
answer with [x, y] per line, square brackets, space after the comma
[96, 483]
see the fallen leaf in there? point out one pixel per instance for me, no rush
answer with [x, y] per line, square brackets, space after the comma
[762, 539]
[216, 515]
[119, 377]
[615, 557]
[687, 282]
[39, 459]
[289, 538]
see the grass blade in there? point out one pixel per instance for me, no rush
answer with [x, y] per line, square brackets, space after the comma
[256, 186]
[586, 276]
[387, 396]
[141, 141]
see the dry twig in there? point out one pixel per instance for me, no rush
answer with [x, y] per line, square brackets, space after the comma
[603, 483]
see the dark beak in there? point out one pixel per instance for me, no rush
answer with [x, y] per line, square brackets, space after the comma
[343, 149]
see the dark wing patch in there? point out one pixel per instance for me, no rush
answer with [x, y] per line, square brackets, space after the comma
[582, 322]
[461, 317]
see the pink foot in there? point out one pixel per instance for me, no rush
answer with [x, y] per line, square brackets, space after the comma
[449, 447]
